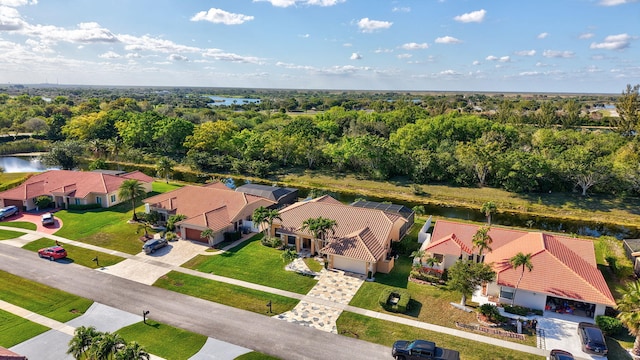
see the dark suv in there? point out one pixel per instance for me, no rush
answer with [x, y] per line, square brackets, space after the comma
[592, 339]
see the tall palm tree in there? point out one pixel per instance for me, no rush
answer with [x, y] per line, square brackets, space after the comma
[431, 261]
[164, 167]
[131, 189]
[488, 209]
[259, 217]
[81, 341]
[518, 260]
[418, 254]
[319, 228]
[132, 351]
[208, 234]
[106, 346]
[629, 307]
[270, 216]
[482, 241]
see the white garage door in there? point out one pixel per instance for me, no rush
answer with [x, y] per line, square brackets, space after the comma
[346, 264]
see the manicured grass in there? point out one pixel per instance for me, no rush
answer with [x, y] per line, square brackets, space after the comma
[21, 225]
[386, 332]
[255, 356]
[313, 264]
[41, 299]
[8, 234]
[75, 254]
[164, 340]
[226, 294]
[14, 329]
[253, 262]
[162, 187]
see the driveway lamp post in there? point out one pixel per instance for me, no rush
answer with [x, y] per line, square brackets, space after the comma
[96, 260]
[144, 315]
[269, 306]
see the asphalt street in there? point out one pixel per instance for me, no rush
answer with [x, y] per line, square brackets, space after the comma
[258, 332]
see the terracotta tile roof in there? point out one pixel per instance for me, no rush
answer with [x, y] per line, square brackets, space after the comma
[562, 266]
[137, 175]
[217, 185]
[449, 245]
[360, 232]
[75, 183]
[6, 354]
[205, 206]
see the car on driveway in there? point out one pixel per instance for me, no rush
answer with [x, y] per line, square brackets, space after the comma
[592, 339]
[154, 244]
[53, 253]
[47, 219]
[557, 354]
[7, 211]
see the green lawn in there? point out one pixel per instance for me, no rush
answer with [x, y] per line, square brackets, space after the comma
[41, 299]
[8, 234]
[253, 262]
[386, 332]
[255, 356]
[14, 329]
[78, 255]
[223, 293]
[21, 225]
[164, 340]
[160, 187]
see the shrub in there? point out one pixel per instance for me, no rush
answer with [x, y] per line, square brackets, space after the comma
[419, 275]
[43, 202]
[521, 310]
[609, 325]
[171, 236]
[403, 302]
[489, 310]
[84, 207]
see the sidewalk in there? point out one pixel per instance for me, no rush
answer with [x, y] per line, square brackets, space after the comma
[311, 298]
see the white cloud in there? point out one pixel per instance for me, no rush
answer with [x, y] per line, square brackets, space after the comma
[148, 43]
[525, 52]
[347, 45]
[505, 58]
[491, 58]
[43, 47]
[89, 32]
[217, 54]
[368, 26]
[10, 19]
[543, 35]
[304, 36]
[586, 36]
[558, 54]
[110, 55]
[133, 56]
[449, 72]
[499, 59]
[476, 62]
[16, 3]
[414, 46]
[404, 56]
[474, 16]
[447, 40]
[355, 56]
[401, 9]
[287, 3]
[613, 42]
[383, 51]
[615, 2]
[218, 16]
[530, 73]
[176, 57]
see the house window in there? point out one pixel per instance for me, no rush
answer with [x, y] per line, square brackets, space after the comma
[470, 257]
[291, 240]
[99, 200]
[506, 293]
[77, 201]
[113, 198]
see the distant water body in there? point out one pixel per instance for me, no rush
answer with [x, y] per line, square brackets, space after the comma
[228, 101]
[15, 164]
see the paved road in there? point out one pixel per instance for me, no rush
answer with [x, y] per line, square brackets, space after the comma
[243, 328]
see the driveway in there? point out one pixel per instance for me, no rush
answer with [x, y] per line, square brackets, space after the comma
[36, 218]
[561, 332]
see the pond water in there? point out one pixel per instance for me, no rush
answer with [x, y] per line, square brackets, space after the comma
[17, 164]
[570, 227]
[228, 101]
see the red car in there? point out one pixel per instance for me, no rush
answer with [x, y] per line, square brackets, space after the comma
[53, 253]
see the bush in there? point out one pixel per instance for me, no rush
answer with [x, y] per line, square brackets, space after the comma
[84, 207]
[274, 242]
[403, 302]
[489, 310]
[609, 325]
[419, 275]
[521, 310]
[171, 236]
[43, 202]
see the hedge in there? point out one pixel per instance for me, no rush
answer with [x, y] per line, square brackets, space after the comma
[609, 325]
[403, 302]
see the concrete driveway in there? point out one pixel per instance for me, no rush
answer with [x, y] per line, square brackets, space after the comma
[561, 332]
[36, 218]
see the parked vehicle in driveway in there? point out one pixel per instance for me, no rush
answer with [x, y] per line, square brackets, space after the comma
[7, 211]
[592, 339]
[421, 349]
[47, 219]
[557, 354]
[154, 244]
[53, 253]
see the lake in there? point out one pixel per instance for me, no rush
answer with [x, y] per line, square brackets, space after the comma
[228, 101]
[15, 164]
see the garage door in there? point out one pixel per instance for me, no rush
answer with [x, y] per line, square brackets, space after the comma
[351, 265]
[193, 234]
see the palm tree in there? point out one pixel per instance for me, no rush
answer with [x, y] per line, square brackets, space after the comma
[482, 241]
[208, 234]
[131, 189]
[81, 341]
[516, 261]
[132, 351]
[270, 216]
[629, 307]
[288, 255]
[431, 261]
[106, 346]
[418, 254]
[489, 208]
[259, 217]
[319, 227]
[164, 167]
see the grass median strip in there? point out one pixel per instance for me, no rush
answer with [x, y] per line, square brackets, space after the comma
[226, 294]
[252, 262]
[256, 356]
[76, 254]
[21, 225]
[41, 299]
[8, 234]
[386, 332]
[14, 329]
[164, 340]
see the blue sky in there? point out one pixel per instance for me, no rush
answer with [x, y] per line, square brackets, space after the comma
[578, 46]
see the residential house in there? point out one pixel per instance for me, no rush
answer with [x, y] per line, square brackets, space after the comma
[362, 239]
[6, 354]
[401, 210]
[632, 249]
[564, 278]
[213, 206]
[282, 196]
[66, 187]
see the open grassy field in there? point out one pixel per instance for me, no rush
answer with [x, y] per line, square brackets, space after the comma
[14, 329]
[164, 340]
[251, 261]
[41, 299]
[75, 254]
